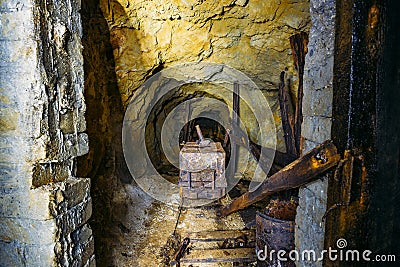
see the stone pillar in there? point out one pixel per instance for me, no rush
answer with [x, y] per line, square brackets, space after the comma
[316, 128]
[43, 207]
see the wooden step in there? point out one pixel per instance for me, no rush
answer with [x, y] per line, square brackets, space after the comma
[242, 255]
[215, 236]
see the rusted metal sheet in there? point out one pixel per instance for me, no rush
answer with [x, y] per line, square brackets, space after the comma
[202, 171]
[273, 235]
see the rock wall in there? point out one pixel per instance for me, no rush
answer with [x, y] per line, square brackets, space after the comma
[316, 127]
[251, 36]
[43, 206]
[104, 163]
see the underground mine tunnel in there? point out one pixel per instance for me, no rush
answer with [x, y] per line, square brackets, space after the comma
[199, 133]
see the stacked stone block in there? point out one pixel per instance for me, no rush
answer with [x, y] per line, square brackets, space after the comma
[43, 207]
[316, 128]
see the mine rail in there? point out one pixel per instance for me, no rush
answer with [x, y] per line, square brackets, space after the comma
[210, 248]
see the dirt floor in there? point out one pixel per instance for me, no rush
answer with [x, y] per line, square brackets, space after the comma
[150, 232]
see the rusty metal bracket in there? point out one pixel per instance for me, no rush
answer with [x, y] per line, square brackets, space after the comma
[180, 252]
[345, 171]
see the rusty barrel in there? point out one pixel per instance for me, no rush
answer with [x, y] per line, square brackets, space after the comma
[274, 235]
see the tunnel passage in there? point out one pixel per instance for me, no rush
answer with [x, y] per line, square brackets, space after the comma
[211, 126]
[210, 129]
[124, 45]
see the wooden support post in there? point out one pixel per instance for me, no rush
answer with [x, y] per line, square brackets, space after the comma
[226, 138]
[302, 171]
[299, 44]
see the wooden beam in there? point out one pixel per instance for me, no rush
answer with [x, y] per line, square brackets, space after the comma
[220, 255]
[302, 171]
[216, 236]
[281, 159]
[186, 131]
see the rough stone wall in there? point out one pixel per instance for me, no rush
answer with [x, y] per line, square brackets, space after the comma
[43, 206]
[251, 36]
[316, 128]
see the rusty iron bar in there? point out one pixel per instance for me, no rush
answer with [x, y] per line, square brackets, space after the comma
[303, 170]
[298, 43]
[235, 126]
[285, 103]
[186, 131]
[180, 252]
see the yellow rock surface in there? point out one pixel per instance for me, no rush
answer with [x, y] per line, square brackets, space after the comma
[251, 36]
